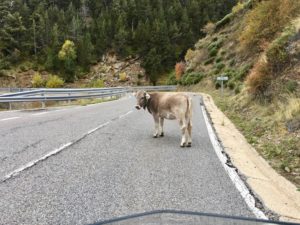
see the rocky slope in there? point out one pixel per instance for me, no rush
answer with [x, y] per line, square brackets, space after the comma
[112, 70]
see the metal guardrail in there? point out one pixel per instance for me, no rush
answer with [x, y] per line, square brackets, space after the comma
[67, 94]
[11, 89]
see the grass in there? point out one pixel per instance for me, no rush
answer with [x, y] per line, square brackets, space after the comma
[264, 127]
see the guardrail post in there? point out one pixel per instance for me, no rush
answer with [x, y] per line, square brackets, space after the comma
[9, 106]
[69, 100]
[43, 102]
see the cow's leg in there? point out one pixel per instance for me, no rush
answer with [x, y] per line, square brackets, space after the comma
[161, 126]
[189, 128]
[183, 128]
[156, 121]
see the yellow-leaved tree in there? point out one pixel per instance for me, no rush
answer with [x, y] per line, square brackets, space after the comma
[68, 55]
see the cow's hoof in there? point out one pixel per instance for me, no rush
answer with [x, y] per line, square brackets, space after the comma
[189, 144]
[162, 134]
[155, 136]
[182, 145]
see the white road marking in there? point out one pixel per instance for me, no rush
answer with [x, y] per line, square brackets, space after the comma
[234, 176]
[39, 114]
[32, 163]
[56, 151]
[97, 128]
[11, 118]
[122, 116]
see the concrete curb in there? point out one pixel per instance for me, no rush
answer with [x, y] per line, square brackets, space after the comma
[276, 192]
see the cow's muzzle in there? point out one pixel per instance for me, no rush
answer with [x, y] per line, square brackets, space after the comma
[138, 107]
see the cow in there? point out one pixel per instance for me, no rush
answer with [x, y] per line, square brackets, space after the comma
[171, 106]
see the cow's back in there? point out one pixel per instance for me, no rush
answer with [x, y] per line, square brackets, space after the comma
[174, 103]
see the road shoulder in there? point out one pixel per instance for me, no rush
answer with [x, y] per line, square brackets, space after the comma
[276, 192]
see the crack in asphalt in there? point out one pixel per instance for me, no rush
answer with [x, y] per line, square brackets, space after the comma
[33, 145]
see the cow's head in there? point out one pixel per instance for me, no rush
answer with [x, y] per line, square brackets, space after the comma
[142, 98]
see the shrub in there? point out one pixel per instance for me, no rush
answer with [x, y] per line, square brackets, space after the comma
[237, 89]
[237, 8]
[230, 73]
[216, 44]
[172, 79]
[54, 82]
[232, 62]
[213, 52]
[224, 21]
[217, 85]
[191, 78]
[277, 53]
[140, 76]
[209, 61]
[218, 59]
[189, 55]
[98, 83]
[243, 71]
[209, 28]
[179, 70]
[4, 64]
[35, 67]
[123, 77]
[223, 52]
[199, 57]
[291, 86]
[4, 73]
[23, 68]
[231, 84]
[220, 66]
[259, 79]
[37, 81]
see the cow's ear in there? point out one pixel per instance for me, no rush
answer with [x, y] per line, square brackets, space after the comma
[147, 96]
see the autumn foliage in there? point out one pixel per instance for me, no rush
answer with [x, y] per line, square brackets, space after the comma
[179, 70]
[259, 79]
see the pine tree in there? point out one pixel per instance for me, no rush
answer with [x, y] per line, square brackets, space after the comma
[11, 32]
[85, 51]
[52, 61]
[121, 36]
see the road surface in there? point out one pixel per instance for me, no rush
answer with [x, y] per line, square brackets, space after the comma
[83, 164]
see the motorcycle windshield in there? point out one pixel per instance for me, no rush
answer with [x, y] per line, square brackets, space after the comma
[187, 218]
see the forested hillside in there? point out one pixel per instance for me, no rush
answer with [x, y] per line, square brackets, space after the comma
[66, 37]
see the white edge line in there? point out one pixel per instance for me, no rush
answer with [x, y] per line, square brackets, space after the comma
[235, 178]
[55, 151]
[11, 118]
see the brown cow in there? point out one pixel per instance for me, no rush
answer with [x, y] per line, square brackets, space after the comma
[168, 106]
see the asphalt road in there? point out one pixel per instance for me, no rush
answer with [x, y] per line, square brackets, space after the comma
[113, 166]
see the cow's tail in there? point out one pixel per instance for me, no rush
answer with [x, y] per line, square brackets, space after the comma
[189, 111]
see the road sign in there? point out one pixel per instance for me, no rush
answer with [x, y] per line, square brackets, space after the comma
[222, 78]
